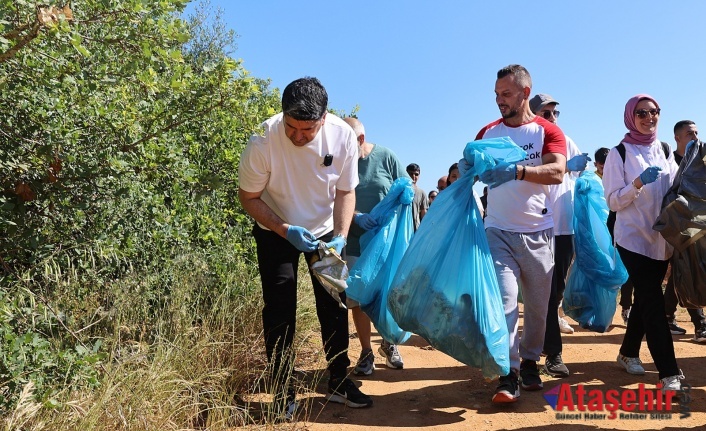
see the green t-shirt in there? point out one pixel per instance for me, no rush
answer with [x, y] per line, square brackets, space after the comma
[376, 172]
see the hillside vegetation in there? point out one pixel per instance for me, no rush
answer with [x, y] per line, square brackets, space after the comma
[129, 296]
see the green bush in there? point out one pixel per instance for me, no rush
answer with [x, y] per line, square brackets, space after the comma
[120, 232]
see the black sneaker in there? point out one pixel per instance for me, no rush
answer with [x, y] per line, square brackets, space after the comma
[676, 329]
[344, 391]
[529, 375]
[366, 363]
[555, 367]
[508, 390]
[700, 335]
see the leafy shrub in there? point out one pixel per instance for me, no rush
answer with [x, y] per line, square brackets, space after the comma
[119, 150]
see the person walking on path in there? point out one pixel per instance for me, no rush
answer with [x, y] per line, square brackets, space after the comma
[519, 224]
[634, 186]
[420, 205]
[562, 201]
[378, 168]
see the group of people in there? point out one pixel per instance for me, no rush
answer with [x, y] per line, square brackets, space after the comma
[311, 177]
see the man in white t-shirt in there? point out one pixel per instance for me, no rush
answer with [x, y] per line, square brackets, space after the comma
[297, 180]
[562, 200]
[519, 224]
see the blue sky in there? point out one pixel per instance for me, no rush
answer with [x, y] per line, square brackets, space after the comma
[423, 73]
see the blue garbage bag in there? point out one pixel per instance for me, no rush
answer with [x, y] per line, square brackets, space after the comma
[445, 288]
[382, 248]
[597, 272]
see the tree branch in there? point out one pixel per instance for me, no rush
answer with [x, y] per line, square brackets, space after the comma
[24, 41]
[131, 147]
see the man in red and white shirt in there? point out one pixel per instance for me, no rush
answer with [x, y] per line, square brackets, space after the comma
[519, 225]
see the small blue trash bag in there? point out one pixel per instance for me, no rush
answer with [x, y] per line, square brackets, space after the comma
[445, 288]
[597, 272]
[382, 248]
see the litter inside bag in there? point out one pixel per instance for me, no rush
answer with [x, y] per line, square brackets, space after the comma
[445, 288]
[331, 271]
[382, 250]
[597, 272]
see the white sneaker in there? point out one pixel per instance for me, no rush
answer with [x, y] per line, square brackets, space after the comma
[672, 383]
[564, 326]
[631, 365]
[393, 359]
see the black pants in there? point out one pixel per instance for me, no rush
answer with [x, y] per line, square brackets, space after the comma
[647, 315]
[278, 261]
[563, 255]
[670, 305]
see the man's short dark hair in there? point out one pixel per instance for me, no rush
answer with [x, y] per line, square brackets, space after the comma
[682, 123]
[305, 99]
[601, 155]
[413, 167]
[522, 76]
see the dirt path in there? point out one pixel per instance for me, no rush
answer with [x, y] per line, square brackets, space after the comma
[435, 392]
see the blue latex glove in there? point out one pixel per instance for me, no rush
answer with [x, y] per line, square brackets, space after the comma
[650, 174]
[301, 238]
[500, 174]
[338, 242]
[578, 163]
[365, 221]
[463, 166]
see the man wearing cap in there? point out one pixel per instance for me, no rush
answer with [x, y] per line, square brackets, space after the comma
[561, 197]
[519, 224]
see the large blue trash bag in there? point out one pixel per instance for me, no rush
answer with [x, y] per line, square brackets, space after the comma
[382, 248]
[597, 272]
[445, 288]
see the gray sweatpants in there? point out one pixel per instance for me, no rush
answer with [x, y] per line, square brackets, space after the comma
[526, 259]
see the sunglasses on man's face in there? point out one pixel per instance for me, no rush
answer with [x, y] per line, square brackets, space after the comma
[642, 113]
[548, 114]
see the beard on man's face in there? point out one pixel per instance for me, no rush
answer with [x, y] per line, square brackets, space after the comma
[509, 114]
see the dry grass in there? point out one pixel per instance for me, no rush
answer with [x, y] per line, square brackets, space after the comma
[210, 376]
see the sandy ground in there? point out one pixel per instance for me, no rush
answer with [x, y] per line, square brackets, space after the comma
[436, 392]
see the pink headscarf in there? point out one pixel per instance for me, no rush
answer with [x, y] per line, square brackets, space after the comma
[634, 136]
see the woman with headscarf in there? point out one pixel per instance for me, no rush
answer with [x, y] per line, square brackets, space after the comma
[634, 186]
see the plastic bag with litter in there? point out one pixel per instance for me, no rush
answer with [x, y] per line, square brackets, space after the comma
[597, 272]
[383, 247]
[445, 288]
